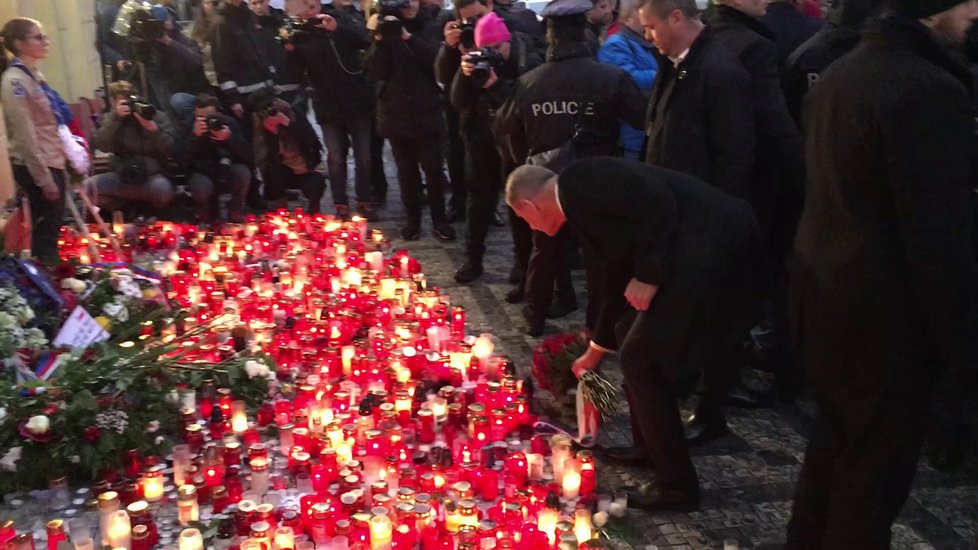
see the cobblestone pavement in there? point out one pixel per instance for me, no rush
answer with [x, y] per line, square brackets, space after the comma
[747, 477]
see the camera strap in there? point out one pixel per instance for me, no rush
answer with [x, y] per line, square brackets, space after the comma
[339, 60]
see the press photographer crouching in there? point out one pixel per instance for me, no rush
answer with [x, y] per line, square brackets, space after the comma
[140, 140]
[287, 150]
[220, 157]
[484, 81]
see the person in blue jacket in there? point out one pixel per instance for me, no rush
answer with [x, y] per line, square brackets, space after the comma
[629, 50]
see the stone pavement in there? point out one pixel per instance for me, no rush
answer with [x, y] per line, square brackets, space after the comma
[747, 477]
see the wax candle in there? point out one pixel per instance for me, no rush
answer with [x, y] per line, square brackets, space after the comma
[119, 530]
[191, 539]
[560, 450]
[259, 475]
[547, 523]
[381, 532]
[181, 461]
[239, 417]
[284, 538]
[108, 503]
[583, 529]
[347, 354]
[188, 509]
[571, 482]
[152, 484]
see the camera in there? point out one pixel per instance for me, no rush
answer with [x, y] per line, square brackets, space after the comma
[214, 123]
[467, 38]
[390, 29]
[295, 29]
[140, 106]
[484, 60]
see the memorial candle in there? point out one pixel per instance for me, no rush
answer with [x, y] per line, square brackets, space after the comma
[119, 530]
[152, 484]
[239, 417]
[347, 353]
[191, 539]
[381, 532]
[284, 538]
[188, 509]
[583, 529]
[547, 523]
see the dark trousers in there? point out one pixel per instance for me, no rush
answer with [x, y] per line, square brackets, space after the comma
[548, 268]
[378, 178]
[485, 166]
[455, 151]
[861, 459]
[653, 399]
[338, 138]
[280, 178]
[409, 154]
[205, 189]
[47, 217]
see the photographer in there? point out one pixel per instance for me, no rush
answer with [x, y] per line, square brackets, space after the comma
[140, 140]
[287, 150]
[482, 84]
[219, 161]
[330, 55]
[241, 55]
[275, 27]
[409, 110]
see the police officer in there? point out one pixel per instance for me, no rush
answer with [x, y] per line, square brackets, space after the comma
[241, 55]
[574, 104]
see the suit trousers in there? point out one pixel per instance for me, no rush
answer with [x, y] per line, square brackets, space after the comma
[548, 267]
[455, 150]
[653, 399]
[484, 165]
[425, 151]
[861, 460]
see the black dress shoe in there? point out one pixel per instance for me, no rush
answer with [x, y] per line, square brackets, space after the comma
[443, 231]
[515, 296]
[625, 456]
[470, 271]
[699, 431]
[560, 309]
[745, 398]
[654, 498]
[516, 274]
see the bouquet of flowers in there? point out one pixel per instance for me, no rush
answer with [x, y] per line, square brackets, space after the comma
[17, 325]
[115, 295]
[552, 362]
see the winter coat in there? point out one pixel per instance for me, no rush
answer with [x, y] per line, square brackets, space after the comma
[242, 54]
[700, 117]
[332, 61]
[129, 142]
[178, 67]
[570, 91]
[790, 27]
[883, 289]
[700, 246]
[206, 154]
[630, 51]
[778, 176]
[409, 101]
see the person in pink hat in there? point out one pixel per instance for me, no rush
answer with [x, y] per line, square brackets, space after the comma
[483, 82]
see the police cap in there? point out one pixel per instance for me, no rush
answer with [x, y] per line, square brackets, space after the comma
[566, 8]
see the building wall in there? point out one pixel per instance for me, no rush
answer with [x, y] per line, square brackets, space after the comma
[73, 68]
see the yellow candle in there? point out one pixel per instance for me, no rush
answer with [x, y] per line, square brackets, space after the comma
[388, 288]
[120, 530]
[239, 417]
[571, 484]
[346, 355]
[583, 529]
[152, 484]
[547, 523]
[482, 349]
[191, 539]
[381, 532]
[284, 538]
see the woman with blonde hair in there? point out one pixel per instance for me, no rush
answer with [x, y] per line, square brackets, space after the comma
[35, 147]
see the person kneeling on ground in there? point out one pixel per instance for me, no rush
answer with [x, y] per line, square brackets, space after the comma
[220, 156]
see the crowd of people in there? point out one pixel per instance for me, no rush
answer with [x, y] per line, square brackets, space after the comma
[712, 171]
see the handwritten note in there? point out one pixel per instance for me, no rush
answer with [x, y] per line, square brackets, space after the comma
[80, 330]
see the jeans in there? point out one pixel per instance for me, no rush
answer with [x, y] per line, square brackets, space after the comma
[204, 190]
[182, 104]
[426, 152]
[47, 217]
[484, 164]
[338, 138]
[111, 194]
[279, 177]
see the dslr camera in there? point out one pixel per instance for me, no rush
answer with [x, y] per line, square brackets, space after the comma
[467, 38]
[295, 29]
[484, 61]
[214, 123]
[139, 105]
[388, 29]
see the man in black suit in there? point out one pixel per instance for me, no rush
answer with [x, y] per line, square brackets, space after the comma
[883, 289]
[684, 256]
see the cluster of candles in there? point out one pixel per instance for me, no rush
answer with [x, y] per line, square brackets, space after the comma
[359, 449]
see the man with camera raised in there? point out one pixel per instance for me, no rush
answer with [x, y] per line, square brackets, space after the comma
[329, 54]
[242, 56]
[483, 83]
[140, 140]
[409, 109]
[220, 156]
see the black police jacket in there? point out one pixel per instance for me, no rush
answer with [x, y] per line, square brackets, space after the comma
[288, 72]
[408, 98]
[206, 154]
[332, 62]
[791, 28]
[241, 54]
[570, 92]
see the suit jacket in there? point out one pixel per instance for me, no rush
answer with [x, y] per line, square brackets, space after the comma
[884, 286]
[700, 120]
[696, 243]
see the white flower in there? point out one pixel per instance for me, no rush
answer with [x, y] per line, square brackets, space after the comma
[7, 321]
[75, 459]
[38, 424]
[75, 285]
[254, 369]
[9, 460]
[159, 440]
[116, 311]
[3, 413]
[153, 426]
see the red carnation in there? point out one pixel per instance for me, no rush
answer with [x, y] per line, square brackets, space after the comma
[92, 434]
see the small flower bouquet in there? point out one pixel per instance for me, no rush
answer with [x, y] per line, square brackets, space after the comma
[552, 362]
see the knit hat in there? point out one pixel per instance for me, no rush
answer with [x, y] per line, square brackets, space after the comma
[490, 29]
[921, 9]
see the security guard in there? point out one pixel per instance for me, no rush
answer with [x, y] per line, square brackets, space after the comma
[570, 103]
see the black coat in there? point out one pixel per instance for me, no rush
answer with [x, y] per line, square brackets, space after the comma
[288, 70]
[884, 285]
[805, 65]
[700, 246]
[332, 61]
[242, 54]
[522, 19]
[790, 27]
[178, 67]
[206, 154]
[778, 176]
[409, 101]
[700, 117]
[266, 144]
[571, 89]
